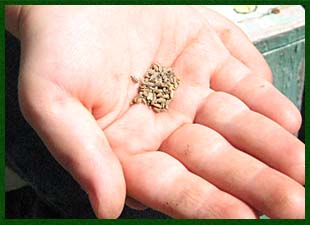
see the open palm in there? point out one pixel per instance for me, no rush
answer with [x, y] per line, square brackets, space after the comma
[223, 148]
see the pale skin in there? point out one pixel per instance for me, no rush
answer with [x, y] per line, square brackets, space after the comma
[224, 149]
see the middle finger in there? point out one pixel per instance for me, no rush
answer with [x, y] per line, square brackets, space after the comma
[254, 134]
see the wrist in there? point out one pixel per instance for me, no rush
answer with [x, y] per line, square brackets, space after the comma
[12, 19]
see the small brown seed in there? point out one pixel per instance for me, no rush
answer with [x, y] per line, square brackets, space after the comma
[154, 100]
[144, 101]
[160, 100]
[137, 99]
[155, 66]
[150, 96]
[157, 105]
[159, 95]
[157, 87]
[166, 96]
[134, 79]
[157, 110]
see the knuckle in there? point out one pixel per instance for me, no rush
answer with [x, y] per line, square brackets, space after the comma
[230, 100]
[268, 74]
[42, 104]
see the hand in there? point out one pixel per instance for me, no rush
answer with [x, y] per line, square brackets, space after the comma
[222, 150]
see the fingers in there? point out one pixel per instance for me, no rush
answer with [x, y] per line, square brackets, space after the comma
[261, 96]
[237, 42]
[207, 154]
[161, 182]
[254, 134]
[74, 139]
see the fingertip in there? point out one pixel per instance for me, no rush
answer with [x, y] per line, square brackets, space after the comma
[241, 212]
[225, 206]
[236, 210]
[288, 202]
[290, 119]
[262, 97]
[107, 206]
[295, 206]
[298, 201]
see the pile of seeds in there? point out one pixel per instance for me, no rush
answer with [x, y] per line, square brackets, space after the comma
[157, 87]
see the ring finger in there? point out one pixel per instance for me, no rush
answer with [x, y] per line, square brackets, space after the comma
[207, 154]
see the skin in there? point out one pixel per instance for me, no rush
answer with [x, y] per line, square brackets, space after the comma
[225, 147]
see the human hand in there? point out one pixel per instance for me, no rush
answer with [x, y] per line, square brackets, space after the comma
[218, 152]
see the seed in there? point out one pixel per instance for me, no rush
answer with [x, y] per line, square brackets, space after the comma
[144, 101]
[155, 66]
[150, 96]
[159, 95]
[157, 110]
[149, 84]
[134, 79]
[157, 87]
[157, 105]
[154, 99]
[137, 99]
[160, 100]
[166, 96]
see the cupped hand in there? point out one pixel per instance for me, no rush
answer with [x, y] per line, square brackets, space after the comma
[223, 149]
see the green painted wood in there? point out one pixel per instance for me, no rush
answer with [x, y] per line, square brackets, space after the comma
[285, 55]
[281, 40]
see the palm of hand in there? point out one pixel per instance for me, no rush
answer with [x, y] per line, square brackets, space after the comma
[83, 86]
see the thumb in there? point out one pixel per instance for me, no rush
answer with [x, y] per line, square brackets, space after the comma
[73, 137]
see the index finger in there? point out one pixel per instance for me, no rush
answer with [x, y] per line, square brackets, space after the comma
[237, 42]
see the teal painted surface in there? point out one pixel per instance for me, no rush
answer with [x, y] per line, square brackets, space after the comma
[264, 217]
[281, 40]
[287, 66]
[285, 55]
